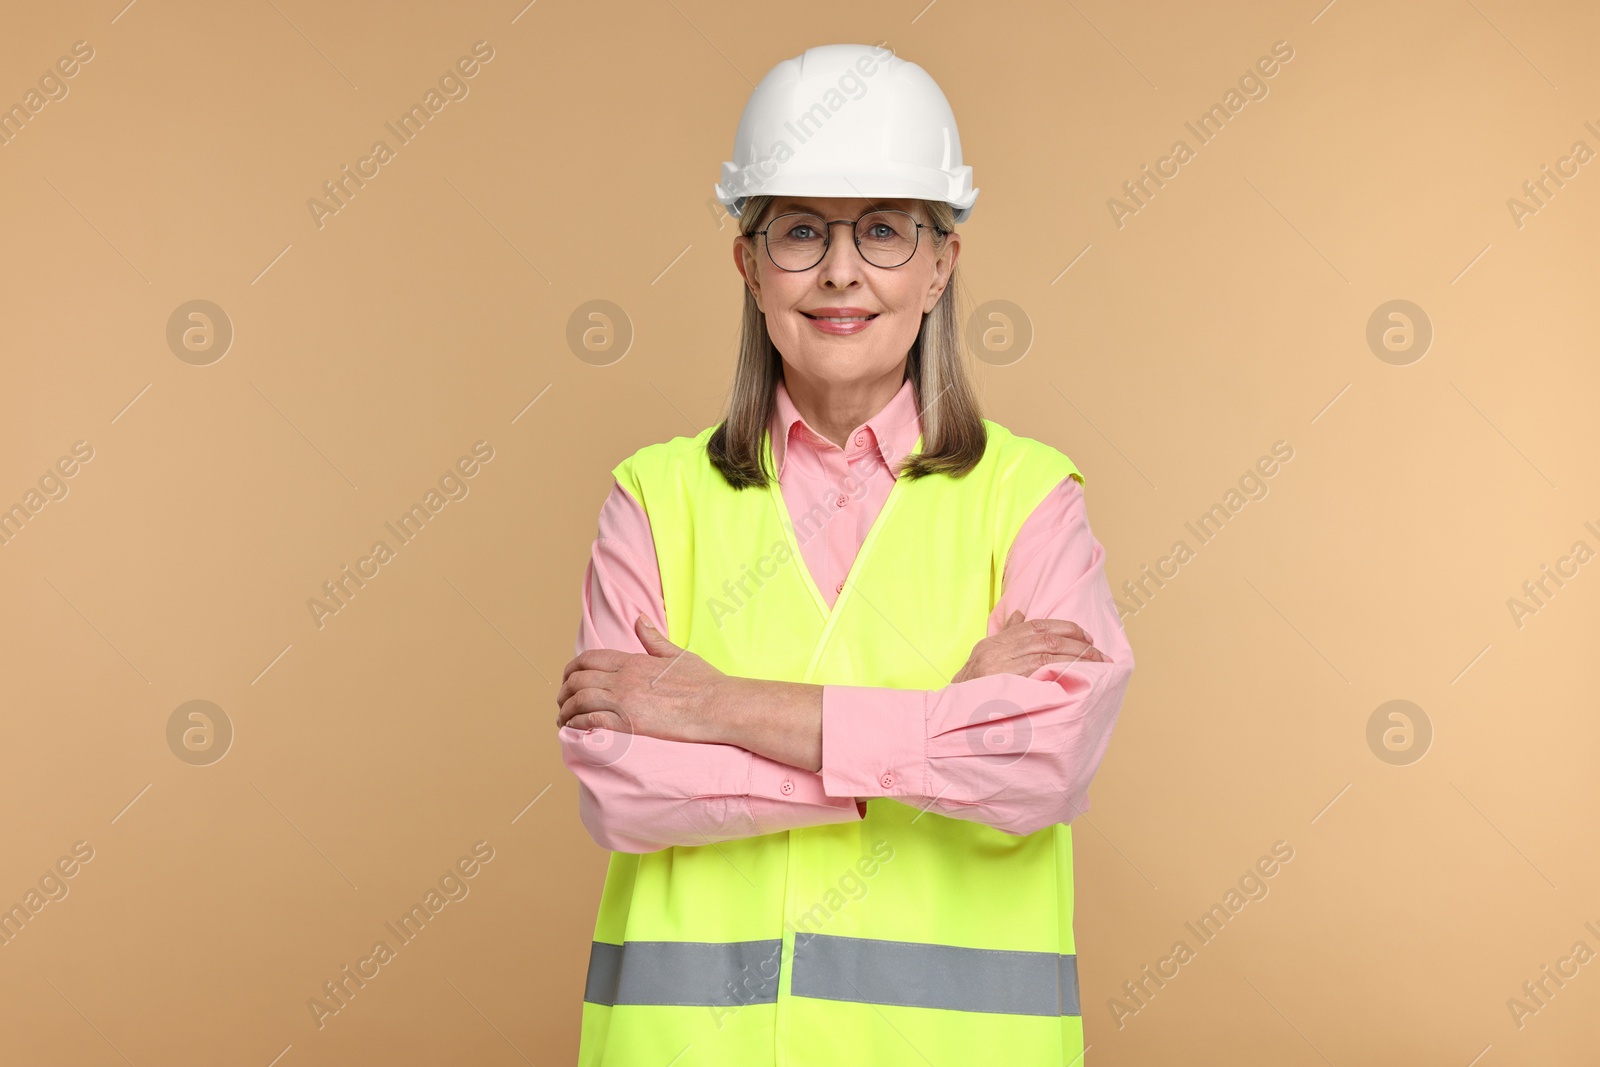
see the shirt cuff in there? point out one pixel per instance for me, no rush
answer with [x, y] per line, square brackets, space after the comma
[613, 761]
[779, 781]
[874, 741]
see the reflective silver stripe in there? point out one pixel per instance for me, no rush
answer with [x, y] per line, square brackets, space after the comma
[918, 975]
[688, 973]
[1067, 982]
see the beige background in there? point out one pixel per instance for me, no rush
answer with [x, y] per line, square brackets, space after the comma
[432, 312]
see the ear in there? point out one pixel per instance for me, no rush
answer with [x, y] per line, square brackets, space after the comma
[944, 263]
[744, 259]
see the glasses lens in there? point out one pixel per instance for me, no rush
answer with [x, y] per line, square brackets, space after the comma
[887, 238]
[795, 242]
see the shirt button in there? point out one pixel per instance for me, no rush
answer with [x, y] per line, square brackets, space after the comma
[861, 438]
[842, 500]
[887, 780]
[787, 786]
[840, 587]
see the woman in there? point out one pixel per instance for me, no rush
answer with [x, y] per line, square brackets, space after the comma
[848, 659]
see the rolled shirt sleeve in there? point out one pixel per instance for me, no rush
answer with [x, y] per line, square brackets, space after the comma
[1016, 753]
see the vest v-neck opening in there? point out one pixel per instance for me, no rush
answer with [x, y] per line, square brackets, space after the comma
[786, 521]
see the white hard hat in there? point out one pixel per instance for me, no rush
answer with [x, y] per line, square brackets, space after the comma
[848, 120]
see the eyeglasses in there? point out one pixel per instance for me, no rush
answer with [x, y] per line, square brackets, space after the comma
[885, 238]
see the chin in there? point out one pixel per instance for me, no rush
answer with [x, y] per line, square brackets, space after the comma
[838, 362]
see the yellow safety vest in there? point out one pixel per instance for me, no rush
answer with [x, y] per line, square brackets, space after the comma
[905, 938]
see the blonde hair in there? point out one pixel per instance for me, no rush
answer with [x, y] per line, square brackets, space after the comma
[953, 435]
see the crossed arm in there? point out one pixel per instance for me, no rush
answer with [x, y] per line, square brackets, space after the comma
[713, 757]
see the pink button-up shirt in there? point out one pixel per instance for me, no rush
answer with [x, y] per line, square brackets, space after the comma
[927, 748]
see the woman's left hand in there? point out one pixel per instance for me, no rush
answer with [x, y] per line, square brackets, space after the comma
[669, 692]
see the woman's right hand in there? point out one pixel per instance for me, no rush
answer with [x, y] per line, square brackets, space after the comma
[1024, 645]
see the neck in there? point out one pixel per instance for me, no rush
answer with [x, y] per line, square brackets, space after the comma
[834, 409]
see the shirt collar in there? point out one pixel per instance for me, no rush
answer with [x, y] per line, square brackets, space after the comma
[893, 430]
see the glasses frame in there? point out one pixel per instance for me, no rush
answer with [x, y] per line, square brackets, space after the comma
[827, 236]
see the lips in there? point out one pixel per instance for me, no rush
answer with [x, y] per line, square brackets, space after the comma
[841, 314]
[840, 321]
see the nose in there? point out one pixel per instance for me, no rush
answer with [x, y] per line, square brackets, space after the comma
[841, 263]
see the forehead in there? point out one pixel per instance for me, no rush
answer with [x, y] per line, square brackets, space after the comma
[838, 206]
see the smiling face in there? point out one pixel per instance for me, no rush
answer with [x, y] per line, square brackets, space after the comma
[798, 304]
